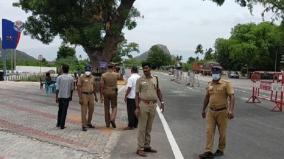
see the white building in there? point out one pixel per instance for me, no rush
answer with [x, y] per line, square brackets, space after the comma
[34, 69]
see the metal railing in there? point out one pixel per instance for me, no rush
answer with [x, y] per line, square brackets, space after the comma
[24, 77]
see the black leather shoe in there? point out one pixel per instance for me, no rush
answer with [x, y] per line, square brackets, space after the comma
[113, 124]
[84, 129]
[62, 127]
[219, 153]
[90, 126]
[150, 150]
[206, 155]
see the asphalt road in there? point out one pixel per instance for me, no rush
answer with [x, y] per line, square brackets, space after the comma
[254, 133]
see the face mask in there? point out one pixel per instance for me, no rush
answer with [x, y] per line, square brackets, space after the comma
[216, 77]
[87, 73]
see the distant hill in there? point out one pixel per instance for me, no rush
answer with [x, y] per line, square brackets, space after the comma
[144, 56]
[24, 56]
[20, 56]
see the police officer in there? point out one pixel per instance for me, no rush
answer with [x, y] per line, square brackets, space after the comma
[87, 92]
[220, 102]
[108, 87]
[147, 95]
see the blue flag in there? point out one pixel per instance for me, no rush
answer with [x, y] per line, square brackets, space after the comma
[10, 36]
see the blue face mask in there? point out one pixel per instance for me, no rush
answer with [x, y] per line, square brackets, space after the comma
[216, 77]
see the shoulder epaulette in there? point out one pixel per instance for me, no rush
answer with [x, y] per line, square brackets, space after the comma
[227, 81]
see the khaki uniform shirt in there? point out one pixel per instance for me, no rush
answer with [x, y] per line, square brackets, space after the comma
[110, 82]
[219, 93]
[147, 88]
[87, 83]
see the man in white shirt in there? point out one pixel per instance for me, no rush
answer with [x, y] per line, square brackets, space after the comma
[130, 99]
[64, 92]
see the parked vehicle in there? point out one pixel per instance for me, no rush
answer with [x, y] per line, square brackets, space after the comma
[233, 74]
[204, 68]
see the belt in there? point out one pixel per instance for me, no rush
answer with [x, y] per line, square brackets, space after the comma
[88, 93]
[148, 101]
[219, 109]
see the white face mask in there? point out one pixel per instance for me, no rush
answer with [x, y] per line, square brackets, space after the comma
[216, 77]
[87, 73]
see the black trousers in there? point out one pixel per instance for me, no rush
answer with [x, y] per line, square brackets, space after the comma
[132, 119]
[62, 111]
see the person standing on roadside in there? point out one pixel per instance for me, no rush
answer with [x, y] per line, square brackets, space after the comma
[64, 93]
[130, 99]
[87, 92]
[220, 100]
[147, 94]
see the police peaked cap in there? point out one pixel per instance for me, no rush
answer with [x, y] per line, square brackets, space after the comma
[111, 65]
[216, 69]
[88, 68]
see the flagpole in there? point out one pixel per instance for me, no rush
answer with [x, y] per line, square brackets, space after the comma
[15, 59]
[11, 59]
[4, 63]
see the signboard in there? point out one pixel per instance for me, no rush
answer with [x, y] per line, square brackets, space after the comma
[103, 64]
[265, 85]
[19, 26]
[40, 57]
[11, 33]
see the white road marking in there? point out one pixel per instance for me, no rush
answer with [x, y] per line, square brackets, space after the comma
[172, 141]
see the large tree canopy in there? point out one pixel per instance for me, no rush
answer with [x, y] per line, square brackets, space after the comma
[157, 57]
[66, 51]
[255, 46]
[96, 25]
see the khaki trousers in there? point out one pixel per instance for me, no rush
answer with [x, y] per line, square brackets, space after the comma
[87, 107]
[145, 122]
[219, 119]
[110, 100]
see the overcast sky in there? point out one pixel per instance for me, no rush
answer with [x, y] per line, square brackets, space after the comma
[180, 25]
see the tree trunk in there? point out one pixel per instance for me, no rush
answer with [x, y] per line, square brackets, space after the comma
[113, 36]
[96, 56]
[105, 54]
[100, 58]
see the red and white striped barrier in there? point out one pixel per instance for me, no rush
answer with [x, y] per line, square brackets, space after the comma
[270, 90]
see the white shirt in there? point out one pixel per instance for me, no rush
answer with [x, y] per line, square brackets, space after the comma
[65, 84]
[131, 83]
